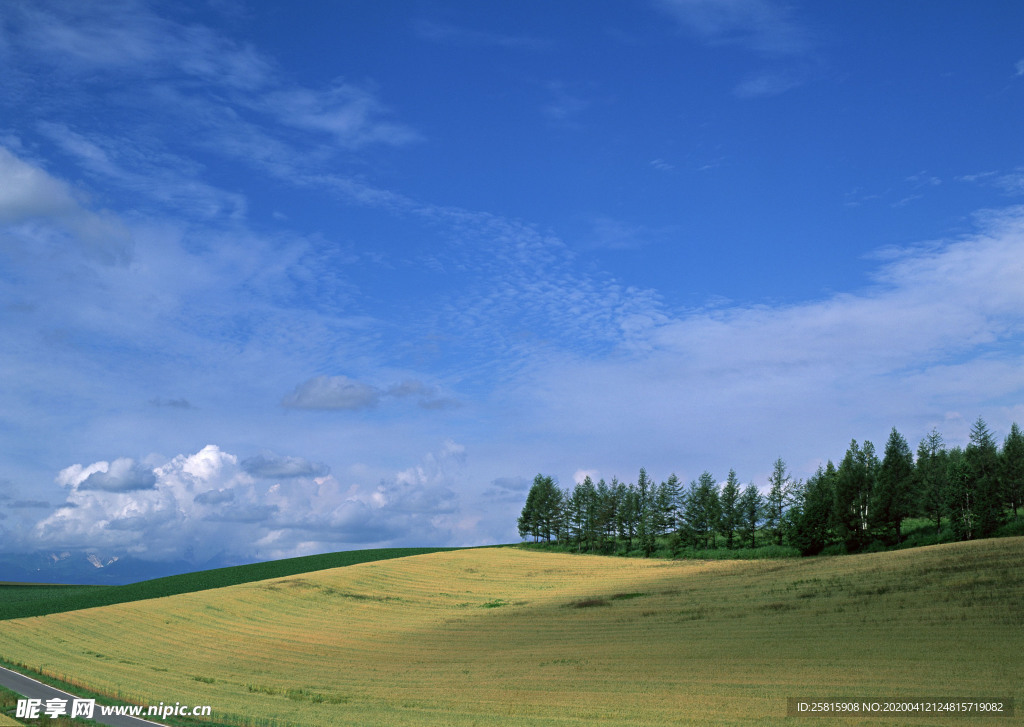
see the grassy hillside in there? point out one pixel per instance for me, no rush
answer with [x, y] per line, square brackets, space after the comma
[19, 600]
[511, 637]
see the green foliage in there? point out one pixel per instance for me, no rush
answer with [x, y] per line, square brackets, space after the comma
[750, 507]
[865, 504]
[729, 517]
[960, 495]
[811, 515]
[982, 459]
[854, 484]
[931, 482]
[779, 496]
[702, 510]
[1011, 469]
[892, 499]
[78, 597]
[543, 515]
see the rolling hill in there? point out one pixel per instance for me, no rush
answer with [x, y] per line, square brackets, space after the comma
[507, 636]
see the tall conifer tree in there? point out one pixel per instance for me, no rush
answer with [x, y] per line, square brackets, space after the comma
[891, 500]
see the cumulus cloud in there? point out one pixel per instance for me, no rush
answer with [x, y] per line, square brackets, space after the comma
[121, 475]
[579, 475]
[117, 481]
[210, 503]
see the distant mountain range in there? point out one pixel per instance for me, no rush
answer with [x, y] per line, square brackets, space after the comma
[92, 568]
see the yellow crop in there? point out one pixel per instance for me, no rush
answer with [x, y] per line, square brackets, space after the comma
[512, 637]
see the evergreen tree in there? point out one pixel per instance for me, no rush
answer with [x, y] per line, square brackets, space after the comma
[709, 490]
[778, 497]
[750, 505]
[646, 520]
[1011, 469]
[608, 507]
[628, 512]
[694, 516]
[666, 503]
[529, 518]
[812, 511]
[701, 513]
[960, 495]
[582, 508]
[931, 480]
[983, 465]
[605, 514]
[729, 499]
[853, 487]
[891, 500]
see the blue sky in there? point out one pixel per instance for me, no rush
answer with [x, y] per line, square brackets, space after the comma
[284, 279]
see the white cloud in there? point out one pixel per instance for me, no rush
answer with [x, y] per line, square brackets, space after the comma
[122, 475]
[564, 106]
[580, 475]
[937, 329]
[759, 25]
[208, 504]
[144, 168]
[127, 37]
[767, 84]
[350, 114]
[30, 195]
[1019, 67]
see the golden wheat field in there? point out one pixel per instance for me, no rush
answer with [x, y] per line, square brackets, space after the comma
[513, 637]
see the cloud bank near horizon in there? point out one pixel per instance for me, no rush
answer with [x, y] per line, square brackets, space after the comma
[212, 505]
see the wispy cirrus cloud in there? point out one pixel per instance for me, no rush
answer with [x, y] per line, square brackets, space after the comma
[761, 26]
[449, 33]
[768, 83]
[767, 29]
[933, 332]
[168, 179]
[127, 37]
[29, 194]
[208, 87]
[353, 116]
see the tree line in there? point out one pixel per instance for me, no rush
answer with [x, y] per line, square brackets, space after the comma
[860, 503]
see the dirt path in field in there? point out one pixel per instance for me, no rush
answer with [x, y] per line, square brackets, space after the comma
[31, 689]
